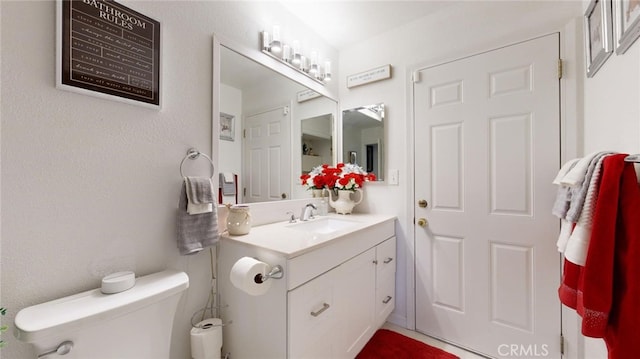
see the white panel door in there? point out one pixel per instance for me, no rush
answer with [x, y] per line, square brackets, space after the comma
[267, 156]
[487, 131]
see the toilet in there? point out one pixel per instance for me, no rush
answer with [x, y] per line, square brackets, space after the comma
[133, 324]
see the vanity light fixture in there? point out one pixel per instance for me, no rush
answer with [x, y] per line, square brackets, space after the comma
[275, 46]
[314, 62]
[291, 56]
[327, 70]
[296, 53]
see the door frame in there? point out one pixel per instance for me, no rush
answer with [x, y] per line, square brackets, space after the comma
[571, 85]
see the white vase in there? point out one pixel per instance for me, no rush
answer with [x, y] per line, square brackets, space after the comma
[239, 220]
[344, 204]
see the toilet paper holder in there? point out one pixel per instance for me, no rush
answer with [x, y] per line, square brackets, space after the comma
[275, 272]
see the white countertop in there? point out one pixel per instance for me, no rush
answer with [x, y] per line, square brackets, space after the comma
[284, 238]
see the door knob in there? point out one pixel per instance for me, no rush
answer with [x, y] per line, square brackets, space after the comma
[422, 222]
[283, 196]
[423, 203]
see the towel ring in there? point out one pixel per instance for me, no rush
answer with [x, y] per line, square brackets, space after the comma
[193, 154]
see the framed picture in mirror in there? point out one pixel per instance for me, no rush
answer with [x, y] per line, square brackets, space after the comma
[627, 19]
[227, 127]
[353, 157]
[598, 34]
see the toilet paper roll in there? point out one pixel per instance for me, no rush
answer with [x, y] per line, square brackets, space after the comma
[206, 339]
[245, 275]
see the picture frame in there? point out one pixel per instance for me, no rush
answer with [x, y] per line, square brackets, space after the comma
[598, 34]
[227, 127]
[113, 55]
[353, 157]
[627, 21]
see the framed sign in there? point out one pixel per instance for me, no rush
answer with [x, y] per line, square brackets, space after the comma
[307, 95]
[598, 34]
[107, 50]
[627, 15]
[227, 127]
[373, 75]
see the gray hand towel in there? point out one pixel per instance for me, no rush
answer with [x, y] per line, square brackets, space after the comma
[199, 190]
[195, 231]
[228, 188]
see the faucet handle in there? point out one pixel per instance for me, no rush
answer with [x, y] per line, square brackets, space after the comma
[292, 219]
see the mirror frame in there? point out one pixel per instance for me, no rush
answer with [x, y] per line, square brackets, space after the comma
[274, 65]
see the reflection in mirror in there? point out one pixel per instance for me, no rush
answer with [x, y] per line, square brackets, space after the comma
[363, 138]
[317, 144]
[261, 158]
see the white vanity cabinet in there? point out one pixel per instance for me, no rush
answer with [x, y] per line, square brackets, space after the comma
[331, 300]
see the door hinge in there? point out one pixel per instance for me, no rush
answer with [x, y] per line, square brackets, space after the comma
[415, 77]
[244, 133]
[561, 344]
[560, 69]
[244, 191]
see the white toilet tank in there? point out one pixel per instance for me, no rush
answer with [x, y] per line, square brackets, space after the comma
[134, 324]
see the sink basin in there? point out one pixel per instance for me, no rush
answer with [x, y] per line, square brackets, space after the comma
[323, 225]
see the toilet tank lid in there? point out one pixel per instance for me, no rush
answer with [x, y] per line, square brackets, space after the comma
[34, 323]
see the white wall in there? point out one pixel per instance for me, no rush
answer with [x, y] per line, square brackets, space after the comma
[90, 186]
[611, 122]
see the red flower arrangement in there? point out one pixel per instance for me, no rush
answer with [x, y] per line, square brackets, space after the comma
[341, 177]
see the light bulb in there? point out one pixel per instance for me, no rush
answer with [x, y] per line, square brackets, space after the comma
[314, 62]
[296, 53]
[276, 45]
[327, 70]
[266, 41]
[286, 53]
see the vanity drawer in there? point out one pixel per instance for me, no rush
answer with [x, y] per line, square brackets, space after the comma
[313, 316]
[386, 257]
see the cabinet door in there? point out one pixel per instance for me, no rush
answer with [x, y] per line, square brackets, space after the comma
[385, 279]
[313, 315]
[358, 283]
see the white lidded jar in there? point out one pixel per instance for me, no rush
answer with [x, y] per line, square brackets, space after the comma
[239, 220]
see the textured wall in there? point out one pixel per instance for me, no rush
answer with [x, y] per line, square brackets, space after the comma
[90, 186]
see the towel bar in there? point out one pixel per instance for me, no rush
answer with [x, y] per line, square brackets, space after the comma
[633, 158]
[193, 154]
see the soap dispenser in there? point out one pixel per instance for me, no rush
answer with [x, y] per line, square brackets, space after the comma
[323, 206]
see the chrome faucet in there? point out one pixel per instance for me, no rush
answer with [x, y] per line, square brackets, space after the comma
[306, 212]
[292, 219]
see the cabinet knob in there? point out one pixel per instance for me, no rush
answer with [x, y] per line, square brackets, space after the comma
[422, 222]
[375, 261]
[325, 306]
[387, 299]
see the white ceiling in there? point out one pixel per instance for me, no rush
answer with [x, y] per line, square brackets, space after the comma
[342, 23]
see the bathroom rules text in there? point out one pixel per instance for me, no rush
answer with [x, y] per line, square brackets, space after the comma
[109, 48]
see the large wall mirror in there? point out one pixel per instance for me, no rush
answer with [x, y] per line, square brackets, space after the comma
[273, 127]
[363, 138]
